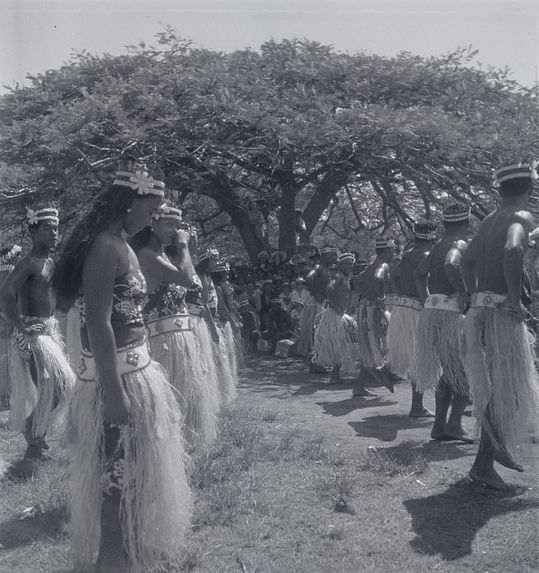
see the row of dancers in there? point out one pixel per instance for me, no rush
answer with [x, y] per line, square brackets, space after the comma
[155, 358]
[455, 321]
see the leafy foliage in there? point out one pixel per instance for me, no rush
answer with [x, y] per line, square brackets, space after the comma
[297, 124]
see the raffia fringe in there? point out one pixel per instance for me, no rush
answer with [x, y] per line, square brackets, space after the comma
[306, 329]
[156, 500]
[73, 342]
[401, 340]
[55, 381]
[370, 324]
[438, 350]
[5, 381]
[499, 360]
[225, 375]
[334, 343]
[197, 393]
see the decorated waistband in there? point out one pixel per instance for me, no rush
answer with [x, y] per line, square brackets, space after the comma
[130, 359]
[443, 302]
[167, 324]
[487, 299]
[405, 301]
[195, 310]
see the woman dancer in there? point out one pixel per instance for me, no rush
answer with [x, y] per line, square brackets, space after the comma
[207, 264]
[172, 341]
[8, 258]
[130, 500]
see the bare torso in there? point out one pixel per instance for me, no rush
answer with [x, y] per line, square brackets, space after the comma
[36, 295]
[338, 293]
[490, 243]
[438, 282]
[372, 282]
[318, 281]
[403, 276]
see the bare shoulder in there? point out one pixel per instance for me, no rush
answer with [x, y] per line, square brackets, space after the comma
[105, 250]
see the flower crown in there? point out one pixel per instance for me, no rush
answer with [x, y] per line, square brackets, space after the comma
[10, 255]
[139, 180]
[167, 212]
[46, 214]
[208, 254]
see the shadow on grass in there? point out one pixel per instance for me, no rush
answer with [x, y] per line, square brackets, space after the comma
[48, 525]
[386, 428]
[446, 523]
[344, 407]
[20, 471]
[435, 451]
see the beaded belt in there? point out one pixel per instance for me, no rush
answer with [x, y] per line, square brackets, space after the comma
[128, 360]
[195, 310]
[443, 302]
[487, 299]
[168, 324]
[406, 301]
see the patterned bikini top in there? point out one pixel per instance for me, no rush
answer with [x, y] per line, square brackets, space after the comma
[168, 299]
[193, 294]
[128, 299]
[212, 296]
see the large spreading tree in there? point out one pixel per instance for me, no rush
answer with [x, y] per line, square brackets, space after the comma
[356, 142]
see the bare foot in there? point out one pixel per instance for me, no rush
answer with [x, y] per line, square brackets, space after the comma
[316, 369]
[503, 457]
[383, 380]
[453, 432]
[362, 391]
[488, 478]
[451, 437]
[420, 413]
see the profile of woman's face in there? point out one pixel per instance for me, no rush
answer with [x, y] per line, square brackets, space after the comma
[164, 230]
[140, 214]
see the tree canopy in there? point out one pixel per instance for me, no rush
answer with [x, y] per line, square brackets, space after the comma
[373, 141]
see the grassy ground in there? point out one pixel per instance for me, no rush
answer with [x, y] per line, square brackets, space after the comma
[273, 498]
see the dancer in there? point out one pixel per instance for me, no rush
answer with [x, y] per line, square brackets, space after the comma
[497, 346]
[335, 337]
[373, 319]
[317, 282]
[39, 370]
[402, 330]
[170, 336]
[442, 291]
[207, 264]
[130, 500]
[9, 256]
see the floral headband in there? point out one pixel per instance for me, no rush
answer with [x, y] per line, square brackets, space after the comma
[140, 181]
[47, 214]
[5, 260]
[209, 254]
[168, 212]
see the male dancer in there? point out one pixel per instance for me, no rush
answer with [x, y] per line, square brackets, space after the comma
[496, 349]
[373, 319]
[442, 291]
[41, 374]
[402, 330]
[336, 334]
[317, 282]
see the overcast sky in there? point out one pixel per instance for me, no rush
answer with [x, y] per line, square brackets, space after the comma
[36, 35]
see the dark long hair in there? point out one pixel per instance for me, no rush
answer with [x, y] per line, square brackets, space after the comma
[108, 207]
[140, 239]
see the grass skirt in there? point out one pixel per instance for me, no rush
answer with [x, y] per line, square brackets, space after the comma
[225, 371]
[231, 350]
[198, 394]
[372, 325]
[5, 384]
[306, 328]
[155, 498]
[335, 340]
[73, 343]
[499, 361]
[401, 340]
[44, 397]
[438, 350]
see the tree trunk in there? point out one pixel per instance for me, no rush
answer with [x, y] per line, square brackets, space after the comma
[325, 191]
[287, 230]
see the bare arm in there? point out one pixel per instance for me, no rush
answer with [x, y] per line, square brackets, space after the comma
[513, 261]
[162, 270]
[421, 277]
[182, 259]
[468, 264]
[452, 269]
[98, 277]
[10, 290]
[381, 278]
